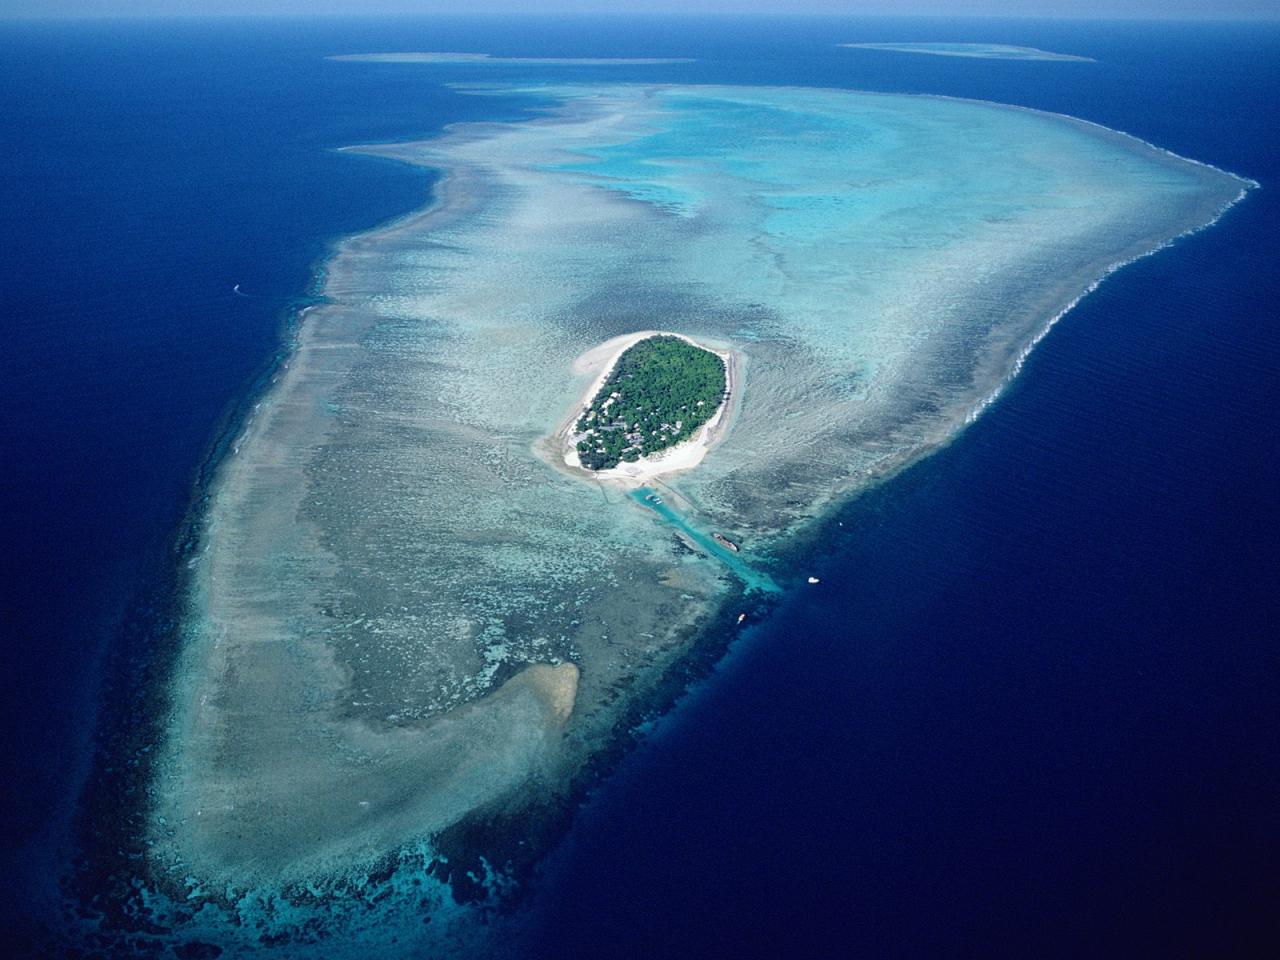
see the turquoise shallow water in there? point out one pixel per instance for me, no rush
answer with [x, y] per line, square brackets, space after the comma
[738, 563]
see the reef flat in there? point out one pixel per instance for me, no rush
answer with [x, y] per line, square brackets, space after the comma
[985, 51]
[404, 615]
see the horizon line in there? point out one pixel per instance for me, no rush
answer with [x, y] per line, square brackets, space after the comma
[605, 13]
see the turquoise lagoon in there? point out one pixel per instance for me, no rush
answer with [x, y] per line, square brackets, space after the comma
[406, 613]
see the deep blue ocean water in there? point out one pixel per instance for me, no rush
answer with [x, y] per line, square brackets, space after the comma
[1033, 708]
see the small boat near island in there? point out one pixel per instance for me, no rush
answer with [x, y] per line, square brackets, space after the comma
[724, 542]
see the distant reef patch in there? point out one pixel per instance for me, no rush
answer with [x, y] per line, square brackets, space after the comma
[486, 58]
[985, 51]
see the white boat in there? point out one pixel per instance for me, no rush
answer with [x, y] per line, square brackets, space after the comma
[725, 542]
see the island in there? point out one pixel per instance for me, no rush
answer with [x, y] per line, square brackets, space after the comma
[659, 393]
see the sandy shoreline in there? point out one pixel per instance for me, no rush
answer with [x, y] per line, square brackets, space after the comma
[684, 456]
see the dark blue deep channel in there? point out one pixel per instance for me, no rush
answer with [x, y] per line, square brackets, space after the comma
[1033, 707]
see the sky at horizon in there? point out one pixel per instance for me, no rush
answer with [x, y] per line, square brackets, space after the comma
[1073, 9]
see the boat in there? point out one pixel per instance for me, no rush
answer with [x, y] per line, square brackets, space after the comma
[741, 617]
[724, 542]
[814, 580]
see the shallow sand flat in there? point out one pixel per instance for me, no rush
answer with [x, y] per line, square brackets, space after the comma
[403, 614]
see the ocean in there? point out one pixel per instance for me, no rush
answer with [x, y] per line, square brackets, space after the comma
[1029, 708]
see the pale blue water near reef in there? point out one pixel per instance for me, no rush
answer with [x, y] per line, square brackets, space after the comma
[401, 614]
[989, 51]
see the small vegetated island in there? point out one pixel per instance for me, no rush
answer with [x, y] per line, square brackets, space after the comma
[660, 392]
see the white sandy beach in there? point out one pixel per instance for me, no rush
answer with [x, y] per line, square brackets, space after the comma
[683, 456]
